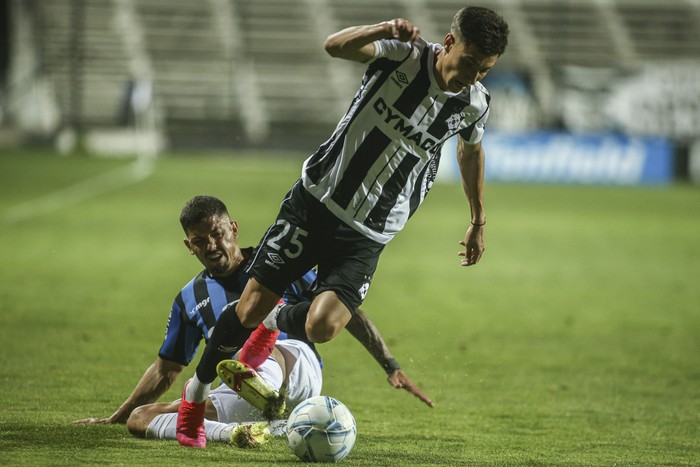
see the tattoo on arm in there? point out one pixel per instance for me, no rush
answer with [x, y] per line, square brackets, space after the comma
[368, 335]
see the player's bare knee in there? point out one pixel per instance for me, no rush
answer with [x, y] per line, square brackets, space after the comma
[322, 331]
[136, 424]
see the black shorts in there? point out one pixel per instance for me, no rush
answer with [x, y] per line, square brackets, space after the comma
[307, 234]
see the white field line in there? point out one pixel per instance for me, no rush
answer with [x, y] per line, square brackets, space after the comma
[82, 191]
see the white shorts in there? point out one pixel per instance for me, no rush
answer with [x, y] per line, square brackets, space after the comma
[305, 380]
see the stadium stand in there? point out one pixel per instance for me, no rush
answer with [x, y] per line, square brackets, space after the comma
[241, 72]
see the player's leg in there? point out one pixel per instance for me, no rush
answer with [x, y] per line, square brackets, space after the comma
[244, 435]
[327, 316]
[240, 423]
[344, 276]
[249, 385]
[289, 318]
[143, 417]
[305, 378]
[229, 418]
[320, 320]
[255, 303]
[287, 252]
[228, 336]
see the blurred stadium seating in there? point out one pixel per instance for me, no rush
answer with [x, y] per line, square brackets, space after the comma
[237, 73]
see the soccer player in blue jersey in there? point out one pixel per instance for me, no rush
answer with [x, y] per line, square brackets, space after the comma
[211, 236]
[362, 185]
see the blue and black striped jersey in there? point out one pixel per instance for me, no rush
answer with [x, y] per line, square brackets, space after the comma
[199, 304]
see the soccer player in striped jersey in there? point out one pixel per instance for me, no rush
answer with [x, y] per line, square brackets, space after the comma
[362, 185]
[211, 236]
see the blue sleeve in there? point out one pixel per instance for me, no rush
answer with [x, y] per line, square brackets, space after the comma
[182, 336]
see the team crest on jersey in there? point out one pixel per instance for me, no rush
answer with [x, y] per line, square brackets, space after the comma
[454, 121]
[365, 287]
[363, 290]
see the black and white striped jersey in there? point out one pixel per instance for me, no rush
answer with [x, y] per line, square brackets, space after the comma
[380, 162]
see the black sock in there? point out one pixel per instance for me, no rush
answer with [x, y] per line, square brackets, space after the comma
[292, 320]
[229, 335]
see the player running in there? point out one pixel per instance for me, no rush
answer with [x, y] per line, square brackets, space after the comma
[362, 185]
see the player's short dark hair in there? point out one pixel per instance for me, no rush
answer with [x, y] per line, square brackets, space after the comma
[199, 208]
[481, 27]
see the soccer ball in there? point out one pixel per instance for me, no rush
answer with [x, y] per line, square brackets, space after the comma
[321, 429]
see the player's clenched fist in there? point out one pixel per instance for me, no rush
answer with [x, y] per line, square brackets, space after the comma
[403, 30]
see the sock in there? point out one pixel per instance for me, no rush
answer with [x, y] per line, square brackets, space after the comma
[292, 319]
[217, 431]
[197, 391]
[270, 321]
[163, 427]
[228, 336]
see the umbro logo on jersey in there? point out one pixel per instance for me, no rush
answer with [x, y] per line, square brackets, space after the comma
[399, 78]
[274, 260]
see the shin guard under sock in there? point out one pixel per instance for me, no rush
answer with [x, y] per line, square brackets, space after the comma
[228, 336]
[292, 319]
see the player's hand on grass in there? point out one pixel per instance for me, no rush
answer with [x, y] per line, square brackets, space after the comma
[400, 381]
[112, 419]
[94, 421]
[403, 30]
[473, 244]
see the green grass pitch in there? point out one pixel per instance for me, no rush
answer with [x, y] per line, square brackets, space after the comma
[575, 341]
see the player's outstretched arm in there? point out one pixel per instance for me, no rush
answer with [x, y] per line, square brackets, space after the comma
[400, 381]
[368, 335]
[470, 158]
[357, 42]
[153, 384]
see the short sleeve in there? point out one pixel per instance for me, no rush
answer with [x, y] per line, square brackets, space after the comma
[391, 49]
[182, 337]
[473, 133]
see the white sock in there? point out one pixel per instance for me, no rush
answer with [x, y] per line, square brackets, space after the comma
[217, 431]
[164, 426]
[196, 390]
[270, 321]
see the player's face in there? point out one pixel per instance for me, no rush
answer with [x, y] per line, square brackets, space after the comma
[213, 242]
[460, 65]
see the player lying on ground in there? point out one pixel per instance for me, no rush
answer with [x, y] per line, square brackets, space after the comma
[364, 183]
[211, 236]
[229, 418]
